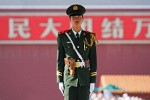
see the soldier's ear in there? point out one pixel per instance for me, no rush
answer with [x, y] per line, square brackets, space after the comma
[82, 18]
[70, 18]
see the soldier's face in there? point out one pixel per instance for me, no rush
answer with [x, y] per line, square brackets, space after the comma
[76, 20]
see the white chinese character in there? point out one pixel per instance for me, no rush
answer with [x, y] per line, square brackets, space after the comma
[50, 26]
[142, 22]
[18, 26]
[87, 24]
[112, 29]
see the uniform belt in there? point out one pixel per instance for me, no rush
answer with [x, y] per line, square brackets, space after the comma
[78, 64]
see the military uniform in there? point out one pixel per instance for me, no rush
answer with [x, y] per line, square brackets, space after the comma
[77, 86]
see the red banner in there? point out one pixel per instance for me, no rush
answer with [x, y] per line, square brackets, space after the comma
[44, 29]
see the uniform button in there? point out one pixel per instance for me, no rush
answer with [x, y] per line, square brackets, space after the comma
[78, 47]
[78, 60]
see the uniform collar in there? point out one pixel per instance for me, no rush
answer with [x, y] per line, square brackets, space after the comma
[77, 32]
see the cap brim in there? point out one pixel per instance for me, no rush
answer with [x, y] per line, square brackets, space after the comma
[75, 14]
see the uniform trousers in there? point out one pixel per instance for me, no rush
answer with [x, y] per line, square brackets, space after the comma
[76, 93]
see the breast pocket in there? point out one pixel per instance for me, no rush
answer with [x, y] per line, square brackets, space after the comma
[86, 48]
[69, 51]
[68, 46]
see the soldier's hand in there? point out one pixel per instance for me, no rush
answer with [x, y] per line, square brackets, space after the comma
[61, 88]
[92, 85]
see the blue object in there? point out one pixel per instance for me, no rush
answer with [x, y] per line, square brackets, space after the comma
[107, 87]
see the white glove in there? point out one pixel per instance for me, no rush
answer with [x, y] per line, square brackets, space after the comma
[61, 88]
[92, 85]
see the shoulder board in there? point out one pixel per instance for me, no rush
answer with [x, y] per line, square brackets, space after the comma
[90, 32]
[62, 32]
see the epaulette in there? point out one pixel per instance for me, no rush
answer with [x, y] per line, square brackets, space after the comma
[90, 32]
[92, 39]
[62, 32]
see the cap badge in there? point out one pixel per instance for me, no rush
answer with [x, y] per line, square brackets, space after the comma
[75, 7]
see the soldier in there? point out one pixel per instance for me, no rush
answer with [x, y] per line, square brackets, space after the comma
[76, 61]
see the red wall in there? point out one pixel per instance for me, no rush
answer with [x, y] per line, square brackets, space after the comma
[28, 72]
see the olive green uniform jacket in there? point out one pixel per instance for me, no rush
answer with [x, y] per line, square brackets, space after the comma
[83, 76]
